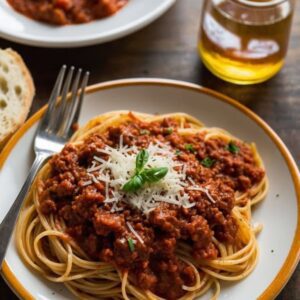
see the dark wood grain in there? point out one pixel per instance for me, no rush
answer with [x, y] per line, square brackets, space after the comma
[167, 49]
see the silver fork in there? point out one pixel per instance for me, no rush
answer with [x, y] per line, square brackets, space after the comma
[53, 132]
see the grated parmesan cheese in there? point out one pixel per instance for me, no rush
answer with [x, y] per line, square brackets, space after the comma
[134, 232]
[120, 167]
[204, 190]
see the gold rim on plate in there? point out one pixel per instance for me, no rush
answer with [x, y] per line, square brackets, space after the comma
[293, 257]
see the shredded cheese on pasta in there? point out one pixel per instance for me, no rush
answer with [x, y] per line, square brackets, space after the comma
[120, 166]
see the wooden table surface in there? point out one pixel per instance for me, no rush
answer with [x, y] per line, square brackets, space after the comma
[167, 49]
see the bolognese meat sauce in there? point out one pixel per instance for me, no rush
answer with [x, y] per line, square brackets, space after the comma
[104, 235]
[62, 12]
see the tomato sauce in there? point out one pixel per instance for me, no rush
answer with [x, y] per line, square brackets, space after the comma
[63, 12]
[153, 265]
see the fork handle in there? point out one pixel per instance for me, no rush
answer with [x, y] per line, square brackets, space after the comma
[9, 221]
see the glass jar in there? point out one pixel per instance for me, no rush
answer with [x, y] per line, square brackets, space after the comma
[245, 41]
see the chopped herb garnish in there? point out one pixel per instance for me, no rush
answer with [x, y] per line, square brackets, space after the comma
[208, 162]
[232, 147]
[143, 175]
[144, 132]
[169, 130]
[154, 174]
[189, 147]
[177, 152]
[141, 160]
[130, 244]
[134, 184]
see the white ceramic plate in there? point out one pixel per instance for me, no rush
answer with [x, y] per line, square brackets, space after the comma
[279, 249]
[135, 15]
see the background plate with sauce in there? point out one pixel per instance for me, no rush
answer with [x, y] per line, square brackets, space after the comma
[135, 15]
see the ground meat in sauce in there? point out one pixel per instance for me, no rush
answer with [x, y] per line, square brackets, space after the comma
[62, 12]
[104, 235]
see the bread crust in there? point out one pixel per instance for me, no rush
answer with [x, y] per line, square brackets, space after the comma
[28, 95]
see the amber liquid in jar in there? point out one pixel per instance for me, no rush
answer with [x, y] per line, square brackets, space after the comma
[244, 45]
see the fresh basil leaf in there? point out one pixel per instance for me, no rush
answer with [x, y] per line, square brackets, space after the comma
[232, 147]
[154, 174]
[144, 132]
[130, 244]
[135, 183]
[143, 175]
[177, 152]
[169, 130]
[141, 160]
[208, 162]
[189, 147]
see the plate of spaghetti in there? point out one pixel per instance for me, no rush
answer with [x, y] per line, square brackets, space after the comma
[148, 203]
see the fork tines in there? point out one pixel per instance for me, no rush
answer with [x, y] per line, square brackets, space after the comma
[65, 101]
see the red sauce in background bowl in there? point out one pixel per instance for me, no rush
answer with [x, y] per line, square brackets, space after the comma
[63, 12]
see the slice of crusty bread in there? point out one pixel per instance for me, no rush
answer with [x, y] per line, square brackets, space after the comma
[16, 93]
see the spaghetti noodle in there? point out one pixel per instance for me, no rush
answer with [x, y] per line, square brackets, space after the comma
[174, 238]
